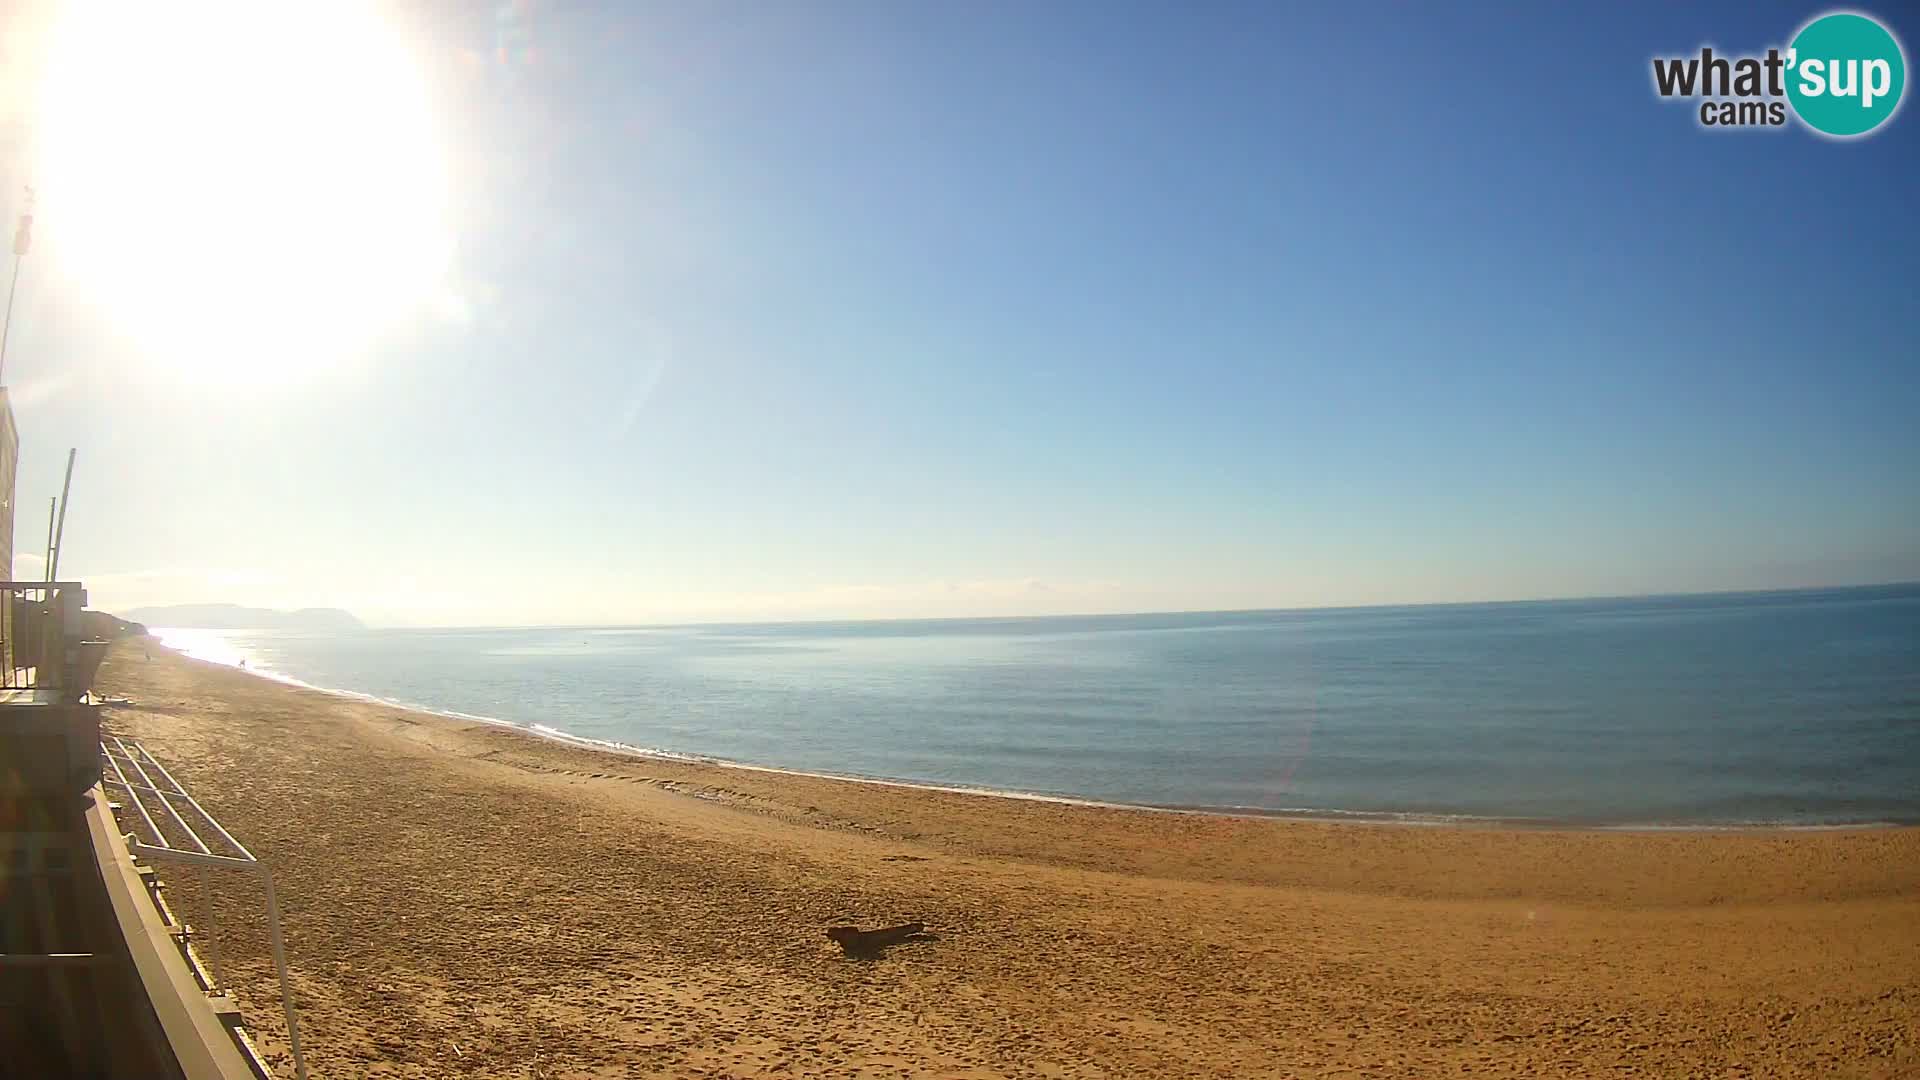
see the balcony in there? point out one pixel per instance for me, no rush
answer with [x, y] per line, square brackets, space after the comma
[44, 647]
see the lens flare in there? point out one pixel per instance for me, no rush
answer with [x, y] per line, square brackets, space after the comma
[245, 191]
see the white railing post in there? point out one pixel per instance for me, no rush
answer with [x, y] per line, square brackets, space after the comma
[280, 966]
[162, 850]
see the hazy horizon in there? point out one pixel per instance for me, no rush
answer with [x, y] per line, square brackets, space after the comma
[133, 613]
[516, 315]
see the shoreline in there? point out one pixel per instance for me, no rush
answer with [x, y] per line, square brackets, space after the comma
[1373, 818]
[460, 899]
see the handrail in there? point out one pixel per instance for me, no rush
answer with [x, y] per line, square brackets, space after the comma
[192, 1030]
[162, 850]
[191, 801]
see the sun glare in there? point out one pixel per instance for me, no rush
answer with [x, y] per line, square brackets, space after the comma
[247, 190]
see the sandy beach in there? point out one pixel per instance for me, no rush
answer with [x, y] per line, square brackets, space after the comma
[464, 899]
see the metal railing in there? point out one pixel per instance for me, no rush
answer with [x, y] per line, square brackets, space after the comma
[155, 796]
[42, 638]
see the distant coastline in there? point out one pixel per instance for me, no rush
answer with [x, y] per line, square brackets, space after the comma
[237, 617]
[220, 616]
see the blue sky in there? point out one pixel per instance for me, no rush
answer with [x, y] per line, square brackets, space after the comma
[844, 309]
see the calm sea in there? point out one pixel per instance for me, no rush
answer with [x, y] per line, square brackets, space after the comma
[1796, 708]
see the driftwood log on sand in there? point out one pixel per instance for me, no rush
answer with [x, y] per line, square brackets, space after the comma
[857, 942]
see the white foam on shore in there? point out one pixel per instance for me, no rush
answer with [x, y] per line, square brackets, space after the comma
[224, 655]
[220, 657]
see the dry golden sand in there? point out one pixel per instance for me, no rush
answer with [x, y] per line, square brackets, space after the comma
[466, 900]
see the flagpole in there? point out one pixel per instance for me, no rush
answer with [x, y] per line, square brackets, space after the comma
[60, 532]
[52, 505]
[22, 239]
[7, 326]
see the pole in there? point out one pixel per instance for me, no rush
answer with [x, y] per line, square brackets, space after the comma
[60, 531]
[280, 966]
[22, 240]
[6, 327]
[52, 505]
[162, 852]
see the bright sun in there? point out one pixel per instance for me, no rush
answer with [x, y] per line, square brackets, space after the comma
[250, 191]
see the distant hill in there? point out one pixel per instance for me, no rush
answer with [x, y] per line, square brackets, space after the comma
[105, 627]
[235, 617]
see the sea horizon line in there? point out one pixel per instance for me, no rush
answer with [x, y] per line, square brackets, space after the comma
[829, 620]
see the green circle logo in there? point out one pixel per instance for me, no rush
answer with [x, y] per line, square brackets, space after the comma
[1845, 74]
